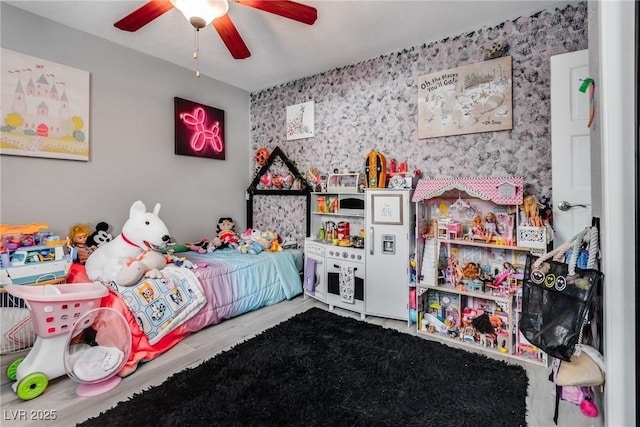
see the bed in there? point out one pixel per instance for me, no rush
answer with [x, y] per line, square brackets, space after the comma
[230, 283]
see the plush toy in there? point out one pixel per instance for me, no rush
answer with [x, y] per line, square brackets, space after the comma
[100, 236]
[252, 242]
[226, 237]
[202, 247]
[273, 240]
[133, 253]
[227, 233]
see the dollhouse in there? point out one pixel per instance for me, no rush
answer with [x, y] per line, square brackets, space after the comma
[469, 264]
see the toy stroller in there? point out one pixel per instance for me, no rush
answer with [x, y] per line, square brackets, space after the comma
[54, 309]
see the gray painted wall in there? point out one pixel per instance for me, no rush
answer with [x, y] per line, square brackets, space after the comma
[132, 141]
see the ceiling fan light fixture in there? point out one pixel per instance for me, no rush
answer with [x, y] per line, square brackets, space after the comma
[201, 13]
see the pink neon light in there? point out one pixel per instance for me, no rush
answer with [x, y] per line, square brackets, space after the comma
[202, 136]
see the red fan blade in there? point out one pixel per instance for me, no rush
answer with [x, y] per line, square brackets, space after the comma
[143, 15]
[231, 37]
[289, 9]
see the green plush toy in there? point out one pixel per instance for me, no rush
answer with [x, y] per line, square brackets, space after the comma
[176, 249]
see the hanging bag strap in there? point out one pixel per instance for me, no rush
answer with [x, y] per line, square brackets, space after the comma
[559, 252]
[594, 248]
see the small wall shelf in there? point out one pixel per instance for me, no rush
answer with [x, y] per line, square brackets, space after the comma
[253, 190]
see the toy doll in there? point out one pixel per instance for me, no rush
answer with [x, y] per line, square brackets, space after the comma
[531, 211]
[78, 234]
[490, 226]
[227, 235]
[478, 230]
[202, 247]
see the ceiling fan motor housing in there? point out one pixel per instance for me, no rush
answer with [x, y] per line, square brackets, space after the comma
[197, 22]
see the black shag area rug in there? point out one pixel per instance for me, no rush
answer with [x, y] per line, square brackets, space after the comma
[322, 369]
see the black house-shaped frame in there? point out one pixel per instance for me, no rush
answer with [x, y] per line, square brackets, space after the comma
[253, 190]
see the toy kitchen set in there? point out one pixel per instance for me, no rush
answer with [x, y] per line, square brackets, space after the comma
[359, 247]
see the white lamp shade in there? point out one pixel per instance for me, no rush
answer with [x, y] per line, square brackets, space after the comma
[200, 13]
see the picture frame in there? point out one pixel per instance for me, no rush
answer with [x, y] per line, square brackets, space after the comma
[300, 121]
[472, 98]
[386, 209]
[45, 108]
[199, 130]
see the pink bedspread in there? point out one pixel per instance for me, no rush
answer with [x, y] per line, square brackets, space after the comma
[141, 350]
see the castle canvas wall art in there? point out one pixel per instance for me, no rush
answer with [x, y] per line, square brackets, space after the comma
[45, 108]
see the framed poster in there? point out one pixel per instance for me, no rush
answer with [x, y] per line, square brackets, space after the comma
[386, 209]
[469, 99]
[45, 108]
[300, 121]
[199, 130]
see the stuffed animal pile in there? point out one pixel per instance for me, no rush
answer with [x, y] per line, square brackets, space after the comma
[226, 237]
[254, 241]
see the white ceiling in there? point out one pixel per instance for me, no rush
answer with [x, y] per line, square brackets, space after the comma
[346, 32]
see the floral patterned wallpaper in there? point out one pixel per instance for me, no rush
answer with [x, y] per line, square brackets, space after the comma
[373, 105]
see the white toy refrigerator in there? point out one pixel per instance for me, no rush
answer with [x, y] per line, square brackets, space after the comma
[389, 244]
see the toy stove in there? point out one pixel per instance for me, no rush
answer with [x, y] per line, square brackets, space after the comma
[346, 254]
[341, 260]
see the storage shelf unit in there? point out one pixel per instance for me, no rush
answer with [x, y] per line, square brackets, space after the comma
[335, 208]
[464, 274]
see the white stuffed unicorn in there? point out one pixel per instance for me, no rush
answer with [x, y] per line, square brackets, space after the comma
[133, 253]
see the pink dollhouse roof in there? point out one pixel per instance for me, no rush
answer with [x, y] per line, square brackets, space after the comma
[499, 190]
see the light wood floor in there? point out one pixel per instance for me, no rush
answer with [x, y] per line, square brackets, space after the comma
[60, 399]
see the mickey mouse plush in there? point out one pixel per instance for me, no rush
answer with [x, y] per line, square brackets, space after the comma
[100, 236]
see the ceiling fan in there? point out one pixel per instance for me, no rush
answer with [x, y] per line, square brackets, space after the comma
[201, 13]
